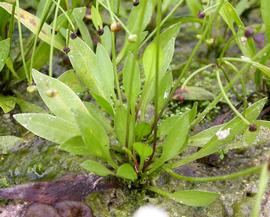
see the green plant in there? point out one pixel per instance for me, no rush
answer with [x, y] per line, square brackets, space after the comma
[114, 130]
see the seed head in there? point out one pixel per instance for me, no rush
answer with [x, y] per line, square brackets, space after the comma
[73, 35]
[136, 2]
[100, 31]
[66, 50]
[115, 27]
[201, 14]
[252, 128]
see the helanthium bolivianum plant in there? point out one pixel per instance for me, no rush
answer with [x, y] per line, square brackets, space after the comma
[114, 131]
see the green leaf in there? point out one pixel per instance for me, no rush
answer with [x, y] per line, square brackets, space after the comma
[166, 45]
[4, 52]
[194, 198]
[194, 93]
[263, 68]
[142, 129]
[7, 143]
[133, 21]
[143, 150]
[95, 111]
[230, 16]
[106, 71]
[78, 16]
[106, 39]
[64, 99]
[263, 183]
[126, 171]
[120, 125]
[31, 22]
[87, 67]
[70, 79]
[94, 135]
[165, 87]
[97, 168]
[96, 18]
[26, 107]
[194, 6]
[131, 84]
[265, 8]
[7, 103]
[175, 140]
[49, 127]
[76, 146]
[236, 127]
[201, 138]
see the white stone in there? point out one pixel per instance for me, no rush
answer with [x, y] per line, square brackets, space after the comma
[150, 211]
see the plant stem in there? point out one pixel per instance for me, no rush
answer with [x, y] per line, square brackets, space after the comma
[245, 172]
[21, 42]
[44, 15]
[114, 56]
[52, 39]
[229, 101]
[260, 54]
[157, 71]
[264, 177]
[195, 73]
[115, 17]
[11, 24]
[187, 65]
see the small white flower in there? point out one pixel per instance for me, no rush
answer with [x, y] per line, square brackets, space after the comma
[150, 211]
[223, 134]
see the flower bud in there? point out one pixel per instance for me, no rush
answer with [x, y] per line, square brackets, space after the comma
[66, 50]
[31, 89]
[100, 31]
[132, 38]
[252, 128]
[115, 27]
[201, 14]
[249, 32]
[51, 92]
[136, 2]
[73, 35]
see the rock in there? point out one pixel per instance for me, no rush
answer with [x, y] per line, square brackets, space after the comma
[40, 210]
[73, 209]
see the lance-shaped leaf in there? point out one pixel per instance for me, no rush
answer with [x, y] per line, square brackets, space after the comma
[94, 135]
[99, 81]
[166, 46]
[230, 16]
[4, 52]
[234, 127]
[265, 8]
[31, 22]
[196, 198]
[47, 126]
[58, 97]
[175, 140]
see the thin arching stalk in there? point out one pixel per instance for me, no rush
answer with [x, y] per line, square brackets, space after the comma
[53, 37]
